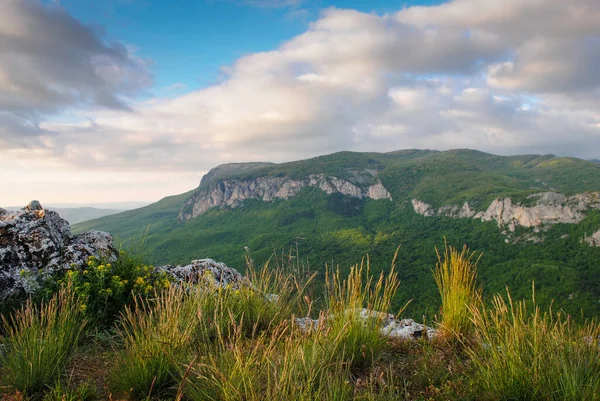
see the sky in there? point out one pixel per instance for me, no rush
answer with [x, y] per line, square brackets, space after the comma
[134, 100]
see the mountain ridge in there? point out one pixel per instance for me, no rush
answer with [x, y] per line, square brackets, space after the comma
[338, 229]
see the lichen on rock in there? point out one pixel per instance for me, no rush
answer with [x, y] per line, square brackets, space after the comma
[219, 274]
[36, 244]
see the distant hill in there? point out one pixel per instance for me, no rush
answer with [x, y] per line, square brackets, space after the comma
[594, 160]
[78, 214]
[340, 207]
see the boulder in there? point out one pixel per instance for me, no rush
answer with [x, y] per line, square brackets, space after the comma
[36, 243]
[390, 326]
[218, 273]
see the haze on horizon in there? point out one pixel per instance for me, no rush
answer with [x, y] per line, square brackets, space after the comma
[128, 100]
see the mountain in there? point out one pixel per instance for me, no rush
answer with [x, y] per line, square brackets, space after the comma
[535, 217]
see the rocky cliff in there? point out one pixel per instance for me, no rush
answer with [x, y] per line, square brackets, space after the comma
[36, 243]
[232, 192]
[541, 209]
[593, 240]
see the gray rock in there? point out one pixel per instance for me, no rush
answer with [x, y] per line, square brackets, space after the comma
[390, 326]
[548, 208]
[592, 240]
[306, 324]
[231, 193]
[408, 329]
[36, 243]
[218, 273]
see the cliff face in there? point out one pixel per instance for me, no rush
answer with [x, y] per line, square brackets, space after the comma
[594, 239]
[231, 193]
[544, 208]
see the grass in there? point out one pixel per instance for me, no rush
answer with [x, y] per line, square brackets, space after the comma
[351, 302]
[534, 355]
[456, 278]
[40, 342]
[155, 334]
[84, 392]
[203, 341]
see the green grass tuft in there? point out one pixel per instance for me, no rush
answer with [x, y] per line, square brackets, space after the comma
[40, 342]
[456, 278]
[534, 355]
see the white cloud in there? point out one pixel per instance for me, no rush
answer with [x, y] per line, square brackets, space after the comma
[505, 76]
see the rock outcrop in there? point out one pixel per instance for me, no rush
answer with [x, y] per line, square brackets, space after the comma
[219, 274]
[390, 326]
[593, 240]
[231, 193]
[543, 209]
[36, 243]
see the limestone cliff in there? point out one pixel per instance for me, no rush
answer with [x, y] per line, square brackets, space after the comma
[232, 192]
[542, 209]
[593, 240]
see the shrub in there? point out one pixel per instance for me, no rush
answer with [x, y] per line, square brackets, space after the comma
[108, 287]
[456, 278]
[40, 341]
[533, 355]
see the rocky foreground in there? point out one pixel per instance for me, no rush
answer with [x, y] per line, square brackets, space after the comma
[36, 245]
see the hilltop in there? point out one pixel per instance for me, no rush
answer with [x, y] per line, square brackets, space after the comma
[338, 208]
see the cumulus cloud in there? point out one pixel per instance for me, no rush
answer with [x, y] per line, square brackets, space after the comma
[505, 76]
[50, 61]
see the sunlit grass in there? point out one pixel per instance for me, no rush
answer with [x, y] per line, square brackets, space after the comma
[40, 341]
[456, 278]
[155, 333]
[533, 354]
[240, 342]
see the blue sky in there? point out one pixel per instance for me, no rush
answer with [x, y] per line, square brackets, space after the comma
[190, 41]
[129, 100]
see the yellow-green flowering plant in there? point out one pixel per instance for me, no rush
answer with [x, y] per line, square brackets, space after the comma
[108, 287]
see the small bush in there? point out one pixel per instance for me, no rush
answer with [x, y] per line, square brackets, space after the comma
[456, 278]
[108, 287]
[40, 341]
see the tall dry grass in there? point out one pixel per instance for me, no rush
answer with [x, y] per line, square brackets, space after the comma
[456, 277]
[534, 355]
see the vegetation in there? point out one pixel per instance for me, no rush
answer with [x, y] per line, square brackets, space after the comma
[241, 342]
[335, 230]
[40, 342]
[534, 355]
[455, 275]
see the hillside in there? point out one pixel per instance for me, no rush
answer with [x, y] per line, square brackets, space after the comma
[332, 218]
